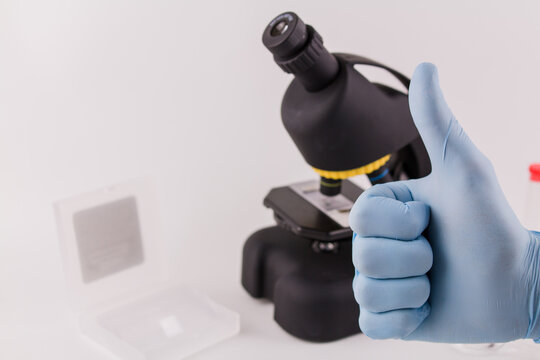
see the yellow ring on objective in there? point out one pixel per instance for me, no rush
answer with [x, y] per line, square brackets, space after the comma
[366, 169]
[327, 184]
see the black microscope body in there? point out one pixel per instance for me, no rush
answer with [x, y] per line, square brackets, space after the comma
[344, 125]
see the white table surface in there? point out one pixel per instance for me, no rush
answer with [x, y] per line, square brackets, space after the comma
[54, 335]
[41, 325]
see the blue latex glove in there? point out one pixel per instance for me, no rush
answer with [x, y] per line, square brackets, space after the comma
[484, 269]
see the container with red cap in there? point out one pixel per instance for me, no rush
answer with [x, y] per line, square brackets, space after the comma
[535, 172]
[532, 210]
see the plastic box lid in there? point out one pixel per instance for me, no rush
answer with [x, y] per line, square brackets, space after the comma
[113, 262]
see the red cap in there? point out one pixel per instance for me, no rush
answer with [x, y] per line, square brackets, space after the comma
[535, 172]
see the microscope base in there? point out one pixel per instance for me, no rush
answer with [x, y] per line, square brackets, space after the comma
[311, 291]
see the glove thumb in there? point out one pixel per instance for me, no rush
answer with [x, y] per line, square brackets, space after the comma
[441, 133]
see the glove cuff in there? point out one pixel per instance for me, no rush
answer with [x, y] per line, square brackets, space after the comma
[533, 255]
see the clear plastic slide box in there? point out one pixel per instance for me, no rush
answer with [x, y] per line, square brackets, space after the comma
[113, 262]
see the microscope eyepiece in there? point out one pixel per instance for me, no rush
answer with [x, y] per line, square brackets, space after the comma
[298, 49]
[286, 35]
[280, 28]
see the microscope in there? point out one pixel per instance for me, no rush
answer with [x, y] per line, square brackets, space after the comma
[344, 126]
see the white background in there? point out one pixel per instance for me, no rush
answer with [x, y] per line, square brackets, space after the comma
[97, 92]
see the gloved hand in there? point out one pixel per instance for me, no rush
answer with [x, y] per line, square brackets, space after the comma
[483, 283]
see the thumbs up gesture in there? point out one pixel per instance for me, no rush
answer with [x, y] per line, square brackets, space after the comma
[444, 258]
